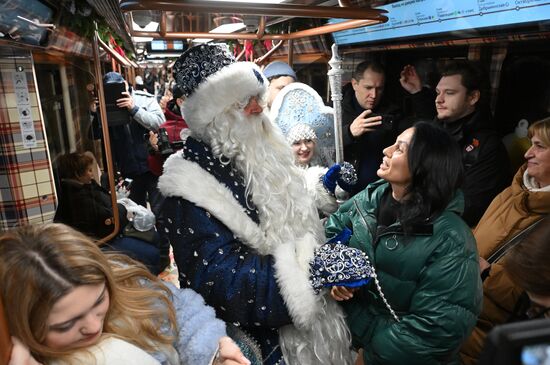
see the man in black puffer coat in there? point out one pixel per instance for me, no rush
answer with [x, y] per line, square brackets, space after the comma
[363, 108]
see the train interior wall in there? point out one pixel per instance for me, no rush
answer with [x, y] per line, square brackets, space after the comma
[60, 98]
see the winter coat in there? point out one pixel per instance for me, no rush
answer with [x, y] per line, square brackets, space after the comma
[87, 208]
[173, 125]
[430, 279]
[486, 163]
[221, 252]
[511, 212]
[198, 328]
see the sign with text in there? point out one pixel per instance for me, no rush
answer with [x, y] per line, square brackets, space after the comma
[421, 17]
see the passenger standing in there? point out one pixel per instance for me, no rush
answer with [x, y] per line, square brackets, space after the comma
[426, 295]
[513, 211]
[128, 142]
[279, 74]
[363, 105]
[460, 110]
[174, 125]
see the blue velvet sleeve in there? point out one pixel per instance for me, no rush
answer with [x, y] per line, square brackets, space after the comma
[238, 282]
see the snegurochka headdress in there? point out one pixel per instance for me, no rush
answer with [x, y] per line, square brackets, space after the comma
[300, 132]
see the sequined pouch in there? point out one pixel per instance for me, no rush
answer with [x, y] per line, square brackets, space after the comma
[337, 264]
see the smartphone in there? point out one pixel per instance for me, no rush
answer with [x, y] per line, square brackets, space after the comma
[387, 121]
[115, 115]
[113, 91]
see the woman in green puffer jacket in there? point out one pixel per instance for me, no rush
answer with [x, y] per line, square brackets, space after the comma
[426, 295]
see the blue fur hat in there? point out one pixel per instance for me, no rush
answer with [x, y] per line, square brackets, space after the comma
[212, 81]
[278, 69]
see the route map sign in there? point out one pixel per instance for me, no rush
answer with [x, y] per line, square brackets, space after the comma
[417, 17]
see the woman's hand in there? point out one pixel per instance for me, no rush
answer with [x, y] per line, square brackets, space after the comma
[229, 354]
[20, 354]
[341, 293]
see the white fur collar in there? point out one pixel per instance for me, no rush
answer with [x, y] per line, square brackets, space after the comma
[186, 179]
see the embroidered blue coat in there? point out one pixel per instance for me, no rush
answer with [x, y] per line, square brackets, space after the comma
[232, 277]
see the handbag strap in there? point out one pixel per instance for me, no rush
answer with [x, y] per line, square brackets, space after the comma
[511, 243]
[374, 274]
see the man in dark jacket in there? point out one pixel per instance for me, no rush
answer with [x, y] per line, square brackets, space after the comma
[173, 125]
[371, 122]
[460, 112]
[128, 141]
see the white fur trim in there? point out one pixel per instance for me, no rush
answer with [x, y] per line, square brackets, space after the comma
[324, 201]
[188, 180]
[290, 276]
[234, 83]
[309, 312]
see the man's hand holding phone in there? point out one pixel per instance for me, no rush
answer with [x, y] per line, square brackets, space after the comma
[126, 101]
[365, 122]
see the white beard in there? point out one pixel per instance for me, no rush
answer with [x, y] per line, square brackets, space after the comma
[258, 149]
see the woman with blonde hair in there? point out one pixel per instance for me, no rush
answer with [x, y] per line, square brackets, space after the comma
[65, 299]
[510, 215]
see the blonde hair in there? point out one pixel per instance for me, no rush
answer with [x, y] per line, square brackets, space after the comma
[41, 264]
[541, 128]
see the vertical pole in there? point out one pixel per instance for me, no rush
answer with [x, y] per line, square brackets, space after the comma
[290, 45]
[106, 137]
[335, 81]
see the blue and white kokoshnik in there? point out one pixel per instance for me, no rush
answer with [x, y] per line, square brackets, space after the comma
[338, 264]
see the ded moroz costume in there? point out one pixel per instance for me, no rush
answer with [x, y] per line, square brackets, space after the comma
[242, 228]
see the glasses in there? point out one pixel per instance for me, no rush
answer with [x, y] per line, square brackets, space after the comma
[537, 311]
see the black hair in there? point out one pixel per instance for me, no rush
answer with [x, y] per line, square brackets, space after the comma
[472, 77]
[372, 64]
[435, 164]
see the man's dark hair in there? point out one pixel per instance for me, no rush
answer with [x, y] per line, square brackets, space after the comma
[473, 78]
[372, 64]
[435, 164]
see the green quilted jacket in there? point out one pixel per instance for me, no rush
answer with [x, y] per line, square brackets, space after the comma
[430, 278]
